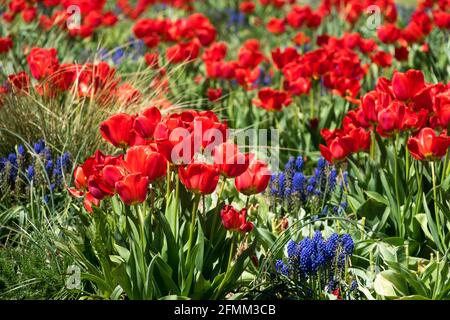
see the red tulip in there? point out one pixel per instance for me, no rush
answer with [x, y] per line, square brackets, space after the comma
[427, 146]
[272, 100]
[43, 62]
[144, 160]
[382, 59]
[255, 179]
[118, 130]
[152, 60]
[102, 185]
[442, 109]
[407, 85]
[214, 94]
[337, 150]
[234, 220]
[199, 178]
[19, 81]
[90, 201]
[282, 58]
[276, 26]
[146, 123]
[6, 44]
[133, 188]
[391, 119]
[247, 7]
[230, 162]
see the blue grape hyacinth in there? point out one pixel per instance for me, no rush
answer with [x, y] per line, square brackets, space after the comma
[320, 193]
[36, 168]
[318, 261]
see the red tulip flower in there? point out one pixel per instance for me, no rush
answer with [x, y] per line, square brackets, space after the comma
[272, 100]
[214, 94]
[247, 7]
[427, 146]
[200, 178]
[118, 130]
[407, 85]
[6, 44]
[337, 149]
[276, 26]
[43, 62]
[102, 185]
[144, 160]
[19, 81]
[230, 162]
[234, 220]
[255, 179]
[90, 201]
[146, 123]
[133, 188]
[442, 109]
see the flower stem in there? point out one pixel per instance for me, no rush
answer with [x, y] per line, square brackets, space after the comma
[401, 222]
[435, 200]
[193, 222]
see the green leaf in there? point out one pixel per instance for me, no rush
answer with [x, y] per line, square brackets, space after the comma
[423, 221]
[376, 196]
[391, 285]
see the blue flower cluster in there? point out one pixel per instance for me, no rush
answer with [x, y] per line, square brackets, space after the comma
[292, 189]
[318, 260]
[38, 168]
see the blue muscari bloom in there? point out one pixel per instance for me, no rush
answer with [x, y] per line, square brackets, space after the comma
[331, 246]
[48, 154]
[52, 187]
[273, 188]
[298, 182]
[324, 211]
[290, 164]
[321, 163]
[30, 172]
[306, 254]
[332, 284]
[49, 166]
[318, 262]
[292, 248]
[118, 56]
[39, 146]
[281, 267]
[21, 150]
[46, 198]
[345, 177]
[311, 184]
[347, 244]
[332, 178]
[12, 158]
[65, 160]
[299, 163]
[353, 285]
[281, 184]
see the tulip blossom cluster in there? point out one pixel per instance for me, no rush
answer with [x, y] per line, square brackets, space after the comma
[404, 104]
[190, 35]
[92, 15]
[339, 69]
[85, 80]
[245, 70]
[154, 144]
